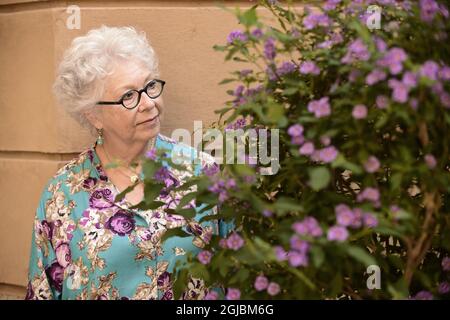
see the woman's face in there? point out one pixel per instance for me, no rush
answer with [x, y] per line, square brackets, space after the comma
[119, 123]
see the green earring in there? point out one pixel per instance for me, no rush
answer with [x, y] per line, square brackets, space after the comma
[100, 136]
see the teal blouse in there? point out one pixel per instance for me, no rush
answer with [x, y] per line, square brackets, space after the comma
[87, 246]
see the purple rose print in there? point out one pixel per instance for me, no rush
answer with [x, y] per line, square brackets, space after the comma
[195, 229]
[100, 199]
[122, 223]
[55, 274]
[89, 183]
[164, 280]
[30, 292]
[63, 254]
[46, 229]
[168, 295]
[146, 235]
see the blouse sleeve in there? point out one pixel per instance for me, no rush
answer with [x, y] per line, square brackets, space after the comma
[44, 273]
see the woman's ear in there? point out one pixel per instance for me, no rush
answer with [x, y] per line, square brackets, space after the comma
[93, 117]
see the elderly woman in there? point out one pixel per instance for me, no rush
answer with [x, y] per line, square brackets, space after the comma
[87, 245]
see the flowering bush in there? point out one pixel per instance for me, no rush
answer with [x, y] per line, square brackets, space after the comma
[364, 119]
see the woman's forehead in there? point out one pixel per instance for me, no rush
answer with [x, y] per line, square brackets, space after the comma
[128, 74]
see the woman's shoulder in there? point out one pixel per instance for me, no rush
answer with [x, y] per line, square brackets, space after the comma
[69, 177]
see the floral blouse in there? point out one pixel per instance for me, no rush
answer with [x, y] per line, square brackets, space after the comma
[87, 246]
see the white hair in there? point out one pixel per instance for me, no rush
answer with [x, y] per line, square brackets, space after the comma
[80, 78]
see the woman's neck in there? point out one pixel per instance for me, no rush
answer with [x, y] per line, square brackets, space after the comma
[124, 153]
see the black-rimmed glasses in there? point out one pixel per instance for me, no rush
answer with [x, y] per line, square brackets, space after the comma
[131, 99]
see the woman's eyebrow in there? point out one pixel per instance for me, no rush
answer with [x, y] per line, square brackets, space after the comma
[130, 86]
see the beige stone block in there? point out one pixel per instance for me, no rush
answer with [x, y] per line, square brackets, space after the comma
[21, 185]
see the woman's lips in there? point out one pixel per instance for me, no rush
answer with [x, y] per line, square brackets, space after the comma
[151, 120]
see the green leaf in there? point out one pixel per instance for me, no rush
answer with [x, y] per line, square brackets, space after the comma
[341, 162]
[224, 81]
[318, 256]
[361, 255]
[284, 204]
[176, 232]
[122, 195]
[249, 17]
[180, 283]
[187, 213]
[319, 178]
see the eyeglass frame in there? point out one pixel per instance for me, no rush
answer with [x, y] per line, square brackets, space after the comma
[120, 101]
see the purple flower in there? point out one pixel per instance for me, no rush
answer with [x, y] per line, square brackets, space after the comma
[393, 59]
[299, 245]
[357, 50]
[286, 67]
[330, 5]
[235, 242]
[320, 108]
[337, 233]
[121, 223]
[245, 72]
[428, 9]
[357, 218]
[267, 213]
[257, 33]
[375, 76]
[233, 294]
[369, 193]
[204, 257]
[273, 289]
[400, 91]
[280, 253]
[211, 295]
[444, 73]
[444, 287]
[423, 295]
[211, 170]
[295, 130]
[429, 70]
[445, 99]
[430, 160]
[309, 67]
[414, 103]
[308, 226]
[238, 91]
[328, 154]
[313, 20]
[372, 164]
[101, 198]
[269, 49]
[306, 149]
[236, 35]
[63, 254]
[261, 283]
[297, 259]
[344, 215]
[151, 154]
[370, 221]
[445, 264]
[380, 44]
[353, 75]
[55, 275]
[409, 79]
[162, 174]
[359, 112]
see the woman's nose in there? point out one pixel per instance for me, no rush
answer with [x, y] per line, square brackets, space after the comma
[146, 103]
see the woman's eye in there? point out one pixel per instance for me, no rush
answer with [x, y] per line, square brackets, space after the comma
[128, 95]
